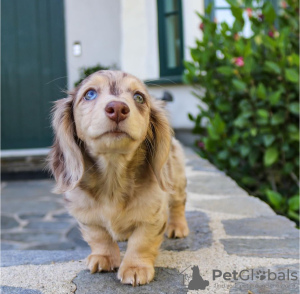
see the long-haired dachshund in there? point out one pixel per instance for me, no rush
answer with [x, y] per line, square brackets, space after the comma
[121, 171]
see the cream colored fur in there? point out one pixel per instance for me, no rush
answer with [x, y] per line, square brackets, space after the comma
[119, 186]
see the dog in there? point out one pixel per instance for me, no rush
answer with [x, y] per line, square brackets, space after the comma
[121, 172]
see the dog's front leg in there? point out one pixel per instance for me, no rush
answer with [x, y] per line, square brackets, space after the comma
[137, 267]
[105, 254]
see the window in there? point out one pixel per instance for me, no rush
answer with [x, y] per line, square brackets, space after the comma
[170, 37]
[221, 12]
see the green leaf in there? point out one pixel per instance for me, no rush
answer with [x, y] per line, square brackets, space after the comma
[294, 107]
[225, 70]
[278, 118]
[271, 155]
[272, 67]
[269, 12]
[261, 91]
[293, 215]
[239, 85]
[275, 97]
[268, 140]
[263, 113]
[291, 75]
[223, 154]
[274, 198]
[244, 149]
[294, 203]
[234, 161]
[218, 124]
[191, 117]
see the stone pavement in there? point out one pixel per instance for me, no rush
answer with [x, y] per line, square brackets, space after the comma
[237, 242]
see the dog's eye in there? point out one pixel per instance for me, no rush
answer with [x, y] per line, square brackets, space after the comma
[90, 95]
[138, 98]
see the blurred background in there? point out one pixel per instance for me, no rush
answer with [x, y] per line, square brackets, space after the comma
[231, 68]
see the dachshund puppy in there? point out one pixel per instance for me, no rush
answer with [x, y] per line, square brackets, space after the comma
[121, 171]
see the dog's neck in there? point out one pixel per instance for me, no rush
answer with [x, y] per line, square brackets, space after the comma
[114, 175]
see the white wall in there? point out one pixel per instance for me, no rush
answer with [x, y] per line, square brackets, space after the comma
[96, 24]
[139, 53]
[184, 103]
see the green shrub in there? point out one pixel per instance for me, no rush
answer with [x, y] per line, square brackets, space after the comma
[248, 123]
[86, 71]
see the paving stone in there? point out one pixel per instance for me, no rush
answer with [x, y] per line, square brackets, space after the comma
[270, 248]
[54, 246]
[246, 206]
[269, 226]
[9, 246]
[166, 281]
[31, 237]
[214, 184]
[8, 222]
[21, 257]
[74, 235]
[63, 216]
[32, 216]
[29, 206]
[41, 226]
[262, 284]
[202, 166]
[28, 189]
[200, 235]
[17, 290]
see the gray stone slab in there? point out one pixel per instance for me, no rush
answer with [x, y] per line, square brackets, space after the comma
[200, 235]
[17, 290]
[54, 246]
[166, 281]
[262, 226]
[32, 216]
[32, 189]
[214, 184]
[24, 206]
[21, 257]
[270, 248]
[266, 283]
[29, 237]
[64, 216]
[202, 165]
[74, 235]
[247, 206]
[47, 226]
[9, 246]
[8, 222]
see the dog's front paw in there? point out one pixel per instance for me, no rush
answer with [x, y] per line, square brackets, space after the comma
[177, 229]
[99, 263]
[136, 274]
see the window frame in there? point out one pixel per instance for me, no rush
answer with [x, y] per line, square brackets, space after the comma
[164, 70]
[212, 14]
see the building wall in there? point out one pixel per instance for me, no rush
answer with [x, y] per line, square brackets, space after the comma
[139, 53]
[96, 25]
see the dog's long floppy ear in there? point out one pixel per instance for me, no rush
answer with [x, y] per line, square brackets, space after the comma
[159, 138]
[65, 159]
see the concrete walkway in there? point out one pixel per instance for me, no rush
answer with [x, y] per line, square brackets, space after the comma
[237, 242]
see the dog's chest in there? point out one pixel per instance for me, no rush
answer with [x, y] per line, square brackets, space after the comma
[116, 217]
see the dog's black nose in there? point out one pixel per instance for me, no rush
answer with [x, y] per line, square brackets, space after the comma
[117, 111]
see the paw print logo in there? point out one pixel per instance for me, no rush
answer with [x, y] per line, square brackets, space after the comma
[261, 275]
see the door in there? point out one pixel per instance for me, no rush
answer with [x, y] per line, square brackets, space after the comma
[33, 72]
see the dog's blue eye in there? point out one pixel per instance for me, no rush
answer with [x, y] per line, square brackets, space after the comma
[90, 95]
[138, 98]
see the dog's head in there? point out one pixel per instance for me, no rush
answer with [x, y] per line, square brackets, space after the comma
[109, 112]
